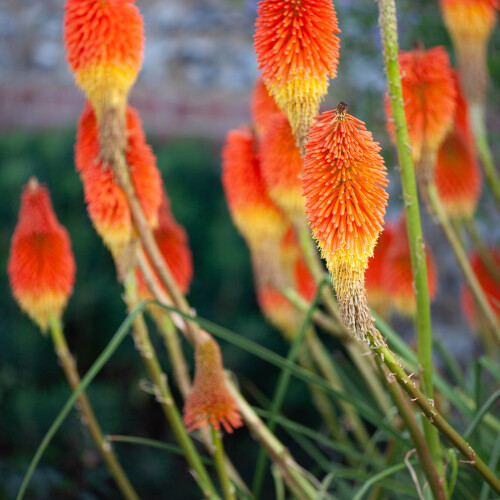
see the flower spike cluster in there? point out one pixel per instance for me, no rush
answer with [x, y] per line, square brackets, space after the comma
[470, 23]
[297, 49]
[343, 181]
[210, 402]
[104, 42]
[41, 265]
[106, 203]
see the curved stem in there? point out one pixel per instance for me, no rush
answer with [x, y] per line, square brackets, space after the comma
[220, 465]
[89, 418]
[389, 31]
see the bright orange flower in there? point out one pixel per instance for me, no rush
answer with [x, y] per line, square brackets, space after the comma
[104, 42]
[429, 100]
[470, 23]
[488, 283]
[106, 202]
[376, 285]
[41, 264]
[398, 272]
[281, 164]
[253, 212]
[172, 240]
[263, 106]
[210, 402]
[297, 50]
[343, 179]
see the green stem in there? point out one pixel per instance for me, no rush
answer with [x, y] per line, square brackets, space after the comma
[389, 31]
[481, 300]
[90, 420]
[483, 148]
[220, 465]
[162, 391]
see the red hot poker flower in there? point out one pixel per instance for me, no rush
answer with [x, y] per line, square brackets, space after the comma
[263, 106]
[297, 50]
[343, 181]
[281, 164]
[470, 23]
[429, 100]
[210, 402]
[252, 211]
[106, 202]
[41, 264]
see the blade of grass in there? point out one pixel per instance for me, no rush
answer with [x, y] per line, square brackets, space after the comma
[481, 413]
[495, 455]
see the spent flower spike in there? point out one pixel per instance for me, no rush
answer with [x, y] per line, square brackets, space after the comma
[210, 402]
[298, 50]
[41, 265]
[343, 181]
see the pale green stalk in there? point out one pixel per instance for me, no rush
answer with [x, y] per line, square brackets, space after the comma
[220, 464]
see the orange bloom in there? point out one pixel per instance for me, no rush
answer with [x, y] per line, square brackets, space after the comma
[297, 50]
[210, 402]
[263, 106]
[470, 23]
[376, 285]
[281, 164]
[488, 283]
[104, 42]
[398, 272]
[41, 265]
[252, 211]
[106, 202]
[343, 180]
[429, 100]
[172, 240]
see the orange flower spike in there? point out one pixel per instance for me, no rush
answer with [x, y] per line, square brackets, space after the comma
[252, 211]
[343, 181]
[488, 283]
[375, 279]
[298, 50]
[41, 265]
[470, 23]
[262, 106]
[281, 164]
[210, 402]
[429, 96]
[399, 275]
[106, 202]
[104, 42]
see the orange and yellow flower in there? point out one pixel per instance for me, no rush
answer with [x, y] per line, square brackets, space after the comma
[262, 106]
[104, 42]
[398, 273]
[429, 100]
[41, 265]
[210, 402]
[252, 211]
[106, 203]
[297, 50]
[281, 164]
[470, 23]
[488, 283]
[343, 181]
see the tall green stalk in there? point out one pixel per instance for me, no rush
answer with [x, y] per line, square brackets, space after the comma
[389, 31]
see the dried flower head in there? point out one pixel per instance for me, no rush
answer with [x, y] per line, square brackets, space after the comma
[470, 23]
[377, 290]
[106, 202]
[343, 181]
[104, 42]
[398, 272]
[252, 211]
[489, 284]
[41, 265]
[210, 402]
[429, 101]
[281, 164]
[263, 106]
[297, 50]
[172, 241]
